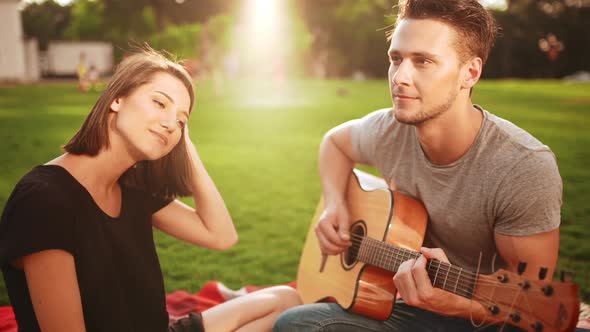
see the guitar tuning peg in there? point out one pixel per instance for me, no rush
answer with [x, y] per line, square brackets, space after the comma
[521, 267]
[547, 290]
[494, 309]
[537, 326]
[567, 276]
[515, 316]
[542, 273]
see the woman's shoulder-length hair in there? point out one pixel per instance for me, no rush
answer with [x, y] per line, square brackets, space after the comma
[167, 177]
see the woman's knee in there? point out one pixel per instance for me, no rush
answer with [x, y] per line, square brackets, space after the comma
[287, 296]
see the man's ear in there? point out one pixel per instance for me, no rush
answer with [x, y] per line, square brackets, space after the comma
[116, 105]
[471, 72]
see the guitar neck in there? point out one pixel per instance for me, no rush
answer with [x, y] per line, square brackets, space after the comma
[442, 275]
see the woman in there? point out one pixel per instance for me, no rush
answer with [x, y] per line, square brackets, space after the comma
[76, 243]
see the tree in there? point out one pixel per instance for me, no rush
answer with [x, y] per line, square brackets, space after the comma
[524, 23]
[45, 21]
[86, 21]
[352, 34]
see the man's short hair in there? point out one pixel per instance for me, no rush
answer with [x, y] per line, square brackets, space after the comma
[474, 25]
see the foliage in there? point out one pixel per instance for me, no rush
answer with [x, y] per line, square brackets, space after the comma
[86, 21]
[180, 40]
[517, 52]
[45, 21]
[350, 34]
[342, 36]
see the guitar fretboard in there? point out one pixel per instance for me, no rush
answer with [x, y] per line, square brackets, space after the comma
[388, 257]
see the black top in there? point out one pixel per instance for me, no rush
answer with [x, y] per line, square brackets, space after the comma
[119, 276]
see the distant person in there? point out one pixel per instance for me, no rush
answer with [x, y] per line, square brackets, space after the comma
[92, 78]
[76, 236]
[81, 72]
[488, 186]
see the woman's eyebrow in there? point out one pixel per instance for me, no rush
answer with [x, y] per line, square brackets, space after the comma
[167, 96]
[172, 101]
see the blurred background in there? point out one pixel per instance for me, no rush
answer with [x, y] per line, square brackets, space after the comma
[230, 38]
[271, 77]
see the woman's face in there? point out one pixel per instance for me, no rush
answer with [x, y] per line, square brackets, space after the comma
[150, 120]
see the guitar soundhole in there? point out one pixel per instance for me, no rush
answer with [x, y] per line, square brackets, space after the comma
[358, 230]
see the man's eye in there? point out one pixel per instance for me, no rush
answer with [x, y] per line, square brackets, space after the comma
[395, 60]
[422, 61]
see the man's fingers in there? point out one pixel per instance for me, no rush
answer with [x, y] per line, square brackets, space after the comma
[328, 231]
[404, 282]
[333, 233]
[343, 229]
[327, 246]
[434, 253]
[420, 275]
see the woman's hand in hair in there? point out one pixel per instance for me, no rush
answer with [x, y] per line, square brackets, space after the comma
[191, 149]
[210, 225]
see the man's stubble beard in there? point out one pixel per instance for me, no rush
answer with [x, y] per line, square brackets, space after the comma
[424, 115]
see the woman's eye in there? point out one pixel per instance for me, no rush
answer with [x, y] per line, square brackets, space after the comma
[180, 123]
[160, 104]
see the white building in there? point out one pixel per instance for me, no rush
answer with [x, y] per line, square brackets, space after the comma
[62, 57]
[19, 59]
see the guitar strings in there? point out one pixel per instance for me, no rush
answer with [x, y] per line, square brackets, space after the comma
[372, 249]
[467, 281]
[468, 278]
[466, 288]
[467, 291]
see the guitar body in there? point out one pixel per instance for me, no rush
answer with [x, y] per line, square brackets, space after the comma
[376, 212]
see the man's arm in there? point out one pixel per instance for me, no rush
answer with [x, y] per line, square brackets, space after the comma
[336, 161]
[537, 251]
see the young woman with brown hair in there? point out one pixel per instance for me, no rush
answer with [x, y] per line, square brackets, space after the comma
[76, 244]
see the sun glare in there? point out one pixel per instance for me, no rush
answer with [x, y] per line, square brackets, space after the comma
[265, 40]
[264, 12]
[262, 21]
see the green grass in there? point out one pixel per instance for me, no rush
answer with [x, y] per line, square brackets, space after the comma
[260, 147]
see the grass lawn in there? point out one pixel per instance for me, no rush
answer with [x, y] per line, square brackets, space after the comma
[260, 146]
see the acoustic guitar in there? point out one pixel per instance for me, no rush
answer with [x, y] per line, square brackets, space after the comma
[387, 229]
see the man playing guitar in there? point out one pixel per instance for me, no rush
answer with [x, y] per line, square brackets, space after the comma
[488, 186]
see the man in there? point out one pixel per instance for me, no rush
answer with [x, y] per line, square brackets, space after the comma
[488, 186]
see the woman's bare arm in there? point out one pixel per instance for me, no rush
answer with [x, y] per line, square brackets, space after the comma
[53, 286]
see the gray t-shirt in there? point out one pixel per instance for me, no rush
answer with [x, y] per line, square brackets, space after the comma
[508, 182]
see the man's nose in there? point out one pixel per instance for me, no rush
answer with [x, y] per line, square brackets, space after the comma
[402, 74]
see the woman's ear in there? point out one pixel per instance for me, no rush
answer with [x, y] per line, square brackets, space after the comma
[116, 105]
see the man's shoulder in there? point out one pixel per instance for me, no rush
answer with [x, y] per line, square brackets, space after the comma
[507, 132]
[381, 124]
[381, 119]
[512, 148]
[383, 114]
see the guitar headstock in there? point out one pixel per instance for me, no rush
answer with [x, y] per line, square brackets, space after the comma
[533, 305]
